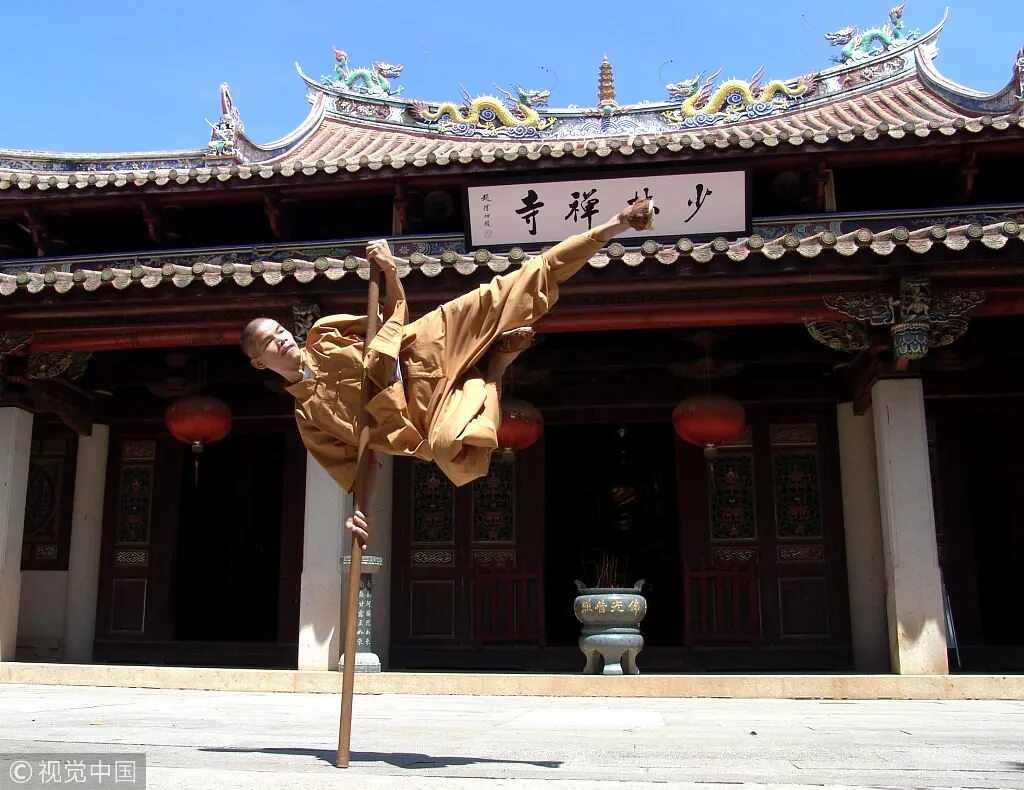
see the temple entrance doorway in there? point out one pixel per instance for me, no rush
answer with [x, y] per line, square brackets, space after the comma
[977, 448]
[611, 501]
[229, 538]
[202, 569]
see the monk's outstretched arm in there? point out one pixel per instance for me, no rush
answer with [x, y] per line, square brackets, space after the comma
[569, 256]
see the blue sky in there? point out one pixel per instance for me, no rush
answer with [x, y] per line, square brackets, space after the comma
[143, 75]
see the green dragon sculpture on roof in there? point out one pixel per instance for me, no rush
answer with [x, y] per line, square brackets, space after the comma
[859, 45]
[374, 81]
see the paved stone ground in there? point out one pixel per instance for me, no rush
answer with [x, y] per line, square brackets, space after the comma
[208, 739]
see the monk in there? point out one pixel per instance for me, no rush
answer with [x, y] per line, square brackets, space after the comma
[437, 379]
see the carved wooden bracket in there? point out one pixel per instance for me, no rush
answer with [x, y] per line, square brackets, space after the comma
[13, 344]
[42, 382]
[917, 319]
[304, 315]
[51, 364]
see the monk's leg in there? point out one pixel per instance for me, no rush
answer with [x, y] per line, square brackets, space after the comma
[452, 339]
[473, 321]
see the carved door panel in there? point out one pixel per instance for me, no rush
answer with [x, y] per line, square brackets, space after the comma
[50, 496]
[443, 532]
[141, 512]
[773, 498]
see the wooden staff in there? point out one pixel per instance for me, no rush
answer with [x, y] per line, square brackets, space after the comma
[362, 493]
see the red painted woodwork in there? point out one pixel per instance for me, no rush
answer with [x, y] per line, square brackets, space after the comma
[521, 424]
[562, 320]
[442, 543]
[721, 604]
[198, 420]
[709, 420]
[508, 606]
[164, 338]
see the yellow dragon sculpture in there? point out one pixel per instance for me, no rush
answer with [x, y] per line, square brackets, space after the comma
[703, 106]
[489, 115]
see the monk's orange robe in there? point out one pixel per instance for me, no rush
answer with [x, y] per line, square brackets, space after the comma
[441, 408]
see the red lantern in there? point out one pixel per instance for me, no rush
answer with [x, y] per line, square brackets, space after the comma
[198, 420]
[521, 424]
[708, 421]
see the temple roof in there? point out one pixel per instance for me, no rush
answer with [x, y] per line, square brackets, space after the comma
[884, 85]
[791, 246]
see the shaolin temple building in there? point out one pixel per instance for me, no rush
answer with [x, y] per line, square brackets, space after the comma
[839, 254]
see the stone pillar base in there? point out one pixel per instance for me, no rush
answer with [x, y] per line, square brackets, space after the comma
[365, 662]
[366, 659]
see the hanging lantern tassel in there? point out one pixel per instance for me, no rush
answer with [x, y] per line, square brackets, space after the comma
[198, 420]
[197, 450]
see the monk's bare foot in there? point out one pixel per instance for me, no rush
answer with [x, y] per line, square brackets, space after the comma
[506, 348]
[640, 215]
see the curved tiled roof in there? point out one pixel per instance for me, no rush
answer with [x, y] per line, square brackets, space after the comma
[883, 244]
[345, 147]
[895, 111]
[895, 94]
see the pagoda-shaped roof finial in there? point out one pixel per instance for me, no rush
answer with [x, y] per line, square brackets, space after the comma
[605, 85]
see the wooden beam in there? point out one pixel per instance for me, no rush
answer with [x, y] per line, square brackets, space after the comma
[826, 186]
[74, 407]
[171, 312]
[33, 225]
[969, 169]
[679, 317]
[861, 376]
[400, 219]
[166, 338]
[274, 212]
[151, 216]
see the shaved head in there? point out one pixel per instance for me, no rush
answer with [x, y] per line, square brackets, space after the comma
[250, 336]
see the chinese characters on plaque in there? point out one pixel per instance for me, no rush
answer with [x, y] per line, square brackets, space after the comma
[543, 212]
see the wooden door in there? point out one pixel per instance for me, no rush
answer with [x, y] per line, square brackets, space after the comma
[773, 499]
[137, 561]
[194, 560]
[443, 533]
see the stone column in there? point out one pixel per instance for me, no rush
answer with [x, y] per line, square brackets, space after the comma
[862, 524]
[327, 507]
[15, 452]
[917, 632]
[84, 552]
[366, 659]
[380, 545]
